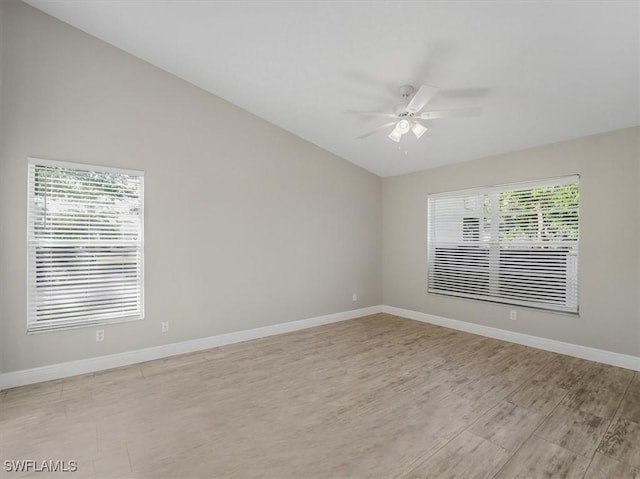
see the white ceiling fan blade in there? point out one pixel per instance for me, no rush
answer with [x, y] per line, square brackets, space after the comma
[458, 112]
[380, 128]
[373, 113]
[420, 99]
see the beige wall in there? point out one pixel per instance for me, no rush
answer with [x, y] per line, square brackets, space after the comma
[609, 239]
[246, 225]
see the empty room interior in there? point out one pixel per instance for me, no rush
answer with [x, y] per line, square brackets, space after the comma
[318, 239]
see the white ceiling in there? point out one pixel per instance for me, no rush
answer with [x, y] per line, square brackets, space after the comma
[541, 71]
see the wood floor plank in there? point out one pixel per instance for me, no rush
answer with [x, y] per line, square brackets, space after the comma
[507, 425]
[538, 395]
[602, 402]
[565, 372]
[573, 429]
[490, 389]
[604, 467]
[630, 405]
[113, 463]
[538, 458]
[467, 456]
[398, 455]
[622, 442]
[604, 376]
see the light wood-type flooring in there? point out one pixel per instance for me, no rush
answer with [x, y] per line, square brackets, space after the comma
[375, 397]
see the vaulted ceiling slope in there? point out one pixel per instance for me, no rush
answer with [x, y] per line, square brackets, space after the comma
[541, 71]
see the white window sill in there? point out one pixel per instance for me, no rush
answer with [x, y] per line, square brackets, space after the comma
[42, 327]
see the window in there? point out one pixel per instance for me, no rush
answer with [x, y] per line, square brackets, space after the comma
[85, 245]
[514, 244]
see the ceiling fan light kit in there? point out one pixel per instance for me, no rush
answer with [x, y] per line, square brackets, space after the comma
[403, 127]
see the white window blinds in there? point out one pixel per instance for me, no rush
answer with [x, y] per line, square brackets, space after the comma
[515, 244]
[85, 245]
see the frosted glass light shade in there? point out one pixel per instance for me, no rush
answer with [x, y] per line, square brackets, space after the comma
[395, 135]
[403, 126]
[418, 129]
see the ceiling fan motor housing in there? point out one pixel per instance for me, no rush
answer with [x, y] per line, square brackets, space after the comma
[405, 91]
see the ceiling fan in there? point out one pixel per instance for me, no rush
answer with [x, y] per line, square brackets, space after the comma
[409, 116]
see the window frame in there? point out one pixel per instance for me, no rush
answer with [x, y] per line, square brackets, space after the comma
[35, 326]
[492, 244]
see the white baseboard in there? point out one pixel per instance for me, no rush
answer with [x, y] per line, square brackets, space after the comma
[83, 366]
[584, 352]
[89, 365]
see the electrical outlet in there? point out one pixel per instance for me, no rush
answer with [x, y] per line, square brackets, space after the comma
[100, 335]
[165, 326]
[355, 297]
[513, 315]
